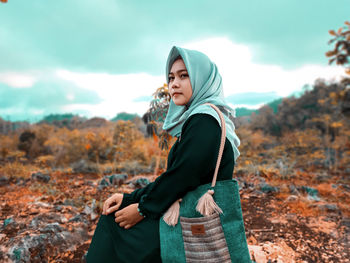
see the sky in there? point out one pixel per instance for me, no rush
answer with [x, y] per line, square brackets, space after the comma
[99, 58]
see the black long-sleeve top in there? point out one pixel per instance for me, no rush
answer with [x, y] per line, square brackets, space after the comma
[191, 162]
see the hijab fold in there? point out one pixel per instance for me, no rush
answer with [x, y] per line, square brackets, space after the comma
[206, 85]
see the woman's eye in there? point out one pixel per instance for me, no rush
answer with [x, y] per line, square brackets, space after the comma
[185, 75]
[171, 78]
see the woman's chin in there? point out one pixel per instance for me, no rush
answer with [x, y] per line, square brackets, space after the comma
[179, 103]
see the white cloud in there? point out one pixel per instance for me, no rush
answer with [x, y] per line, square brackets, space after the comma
[240, 74]
[17, 79]
[235, 65]
[117, 91]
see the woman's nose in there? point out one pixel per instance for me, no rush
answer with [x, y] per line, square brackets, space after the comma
[175, 83]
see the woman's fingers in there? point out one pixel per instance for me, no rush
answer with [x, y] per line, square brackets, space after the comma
[122, 224]
[119, 218]
[112, 209]
[105, 206]
[116, 198]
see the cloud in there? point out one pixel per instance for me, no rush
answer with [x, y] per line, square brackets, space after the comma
[240, 74]
[122, 37]
[252, 98]
[124, 92]
[47, 95]
[245, 83]
[18, 80]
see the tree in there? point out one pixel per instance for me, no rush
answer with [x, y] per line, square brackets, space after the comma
[341, 52]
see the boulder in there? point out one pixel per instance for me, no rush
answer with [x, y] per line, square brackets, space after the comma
[103, 183]
[139, 182]
[3, 180]
[312, 193]
[117, 179]
[293, 189]
[8, 221]
[329, 208]
[266, 188]
[52, 228]
[85, 167]
[40, 177]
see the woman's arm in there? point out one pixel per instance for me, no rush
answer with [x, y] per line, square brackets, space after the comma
[135, 196]
[194, 162]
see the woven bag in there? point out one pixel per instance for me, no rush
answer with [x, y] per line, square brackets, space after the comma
[209, 230]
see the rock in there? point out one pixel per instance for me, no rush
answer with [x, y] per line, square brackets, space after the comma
[41, 220]
[312, 193]
[241, 185]
[293, 189]
[107, 171]
[256, 193]
[21, 252]
[17, 180]
[103, 183]
[52, 228]
[292, 198]
[68, 202]
[266, 188]
[85, 167]
[58, 208]
[39, 247]
[240, 173]
[140, 182]
[8, 221]
[345, 187]
[114, 179]
[323, 178]
[329, 207]
[40, 177]
[79, 218]
[10, 227]
[3, 180]
[257, 254]
[90, 210]
[117, 179]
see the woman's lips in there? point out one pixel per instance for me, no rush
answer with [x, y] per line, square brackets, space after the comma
[176, 93]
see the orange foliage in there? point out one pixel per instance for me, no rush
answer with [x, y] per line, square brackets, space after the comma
[325, 189]
[303, 208]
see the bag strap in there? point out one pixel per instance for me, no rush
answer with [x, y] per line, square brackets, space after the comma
[206, 204]
[222, 142]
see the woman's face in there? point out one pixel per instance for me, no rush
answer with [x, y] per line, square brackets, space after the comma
[179, 83]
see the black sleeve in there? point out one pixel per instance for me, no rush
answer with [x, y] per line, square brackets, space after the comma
[195, 157]
[134, 197]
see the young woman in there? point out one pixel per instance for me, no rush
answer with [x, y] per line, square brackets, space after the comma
[128, 229]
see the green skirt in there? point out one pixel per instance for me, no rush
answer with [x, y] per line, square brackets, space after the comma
[112, 243]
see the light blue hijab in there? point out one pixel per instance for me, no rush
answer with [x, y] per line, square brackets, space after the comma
[206, 87]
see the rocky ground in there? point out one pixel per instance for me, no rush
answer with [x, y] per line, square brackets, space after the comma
[52, 217]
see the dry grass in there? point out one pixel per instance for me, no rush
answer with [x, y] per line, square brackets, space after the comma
[303, 208]
[18, 170]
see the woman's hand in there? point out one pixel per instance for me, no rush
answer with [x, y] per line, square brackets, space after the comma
[112, 203]
[128, 216]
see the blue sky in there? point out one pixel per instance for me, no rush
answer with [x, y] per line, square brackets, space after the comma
[98, 58]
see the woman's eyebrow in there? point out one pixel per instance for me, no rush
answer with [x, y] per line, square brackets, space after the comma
[180, 70]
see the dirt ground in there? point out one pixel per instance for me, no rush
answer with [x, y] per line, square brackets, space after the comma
[280, 226]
